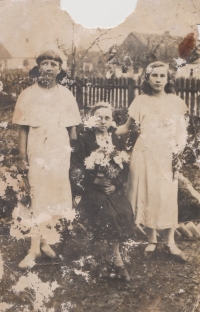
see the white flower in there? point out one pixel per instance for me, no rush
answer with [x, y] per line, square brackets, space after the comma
[90, 161]
[99, 157]
[4, 124]
[91, 121]
[179, 62]
[14, 95]
[125, 156]
[118, 161]
[105, 162]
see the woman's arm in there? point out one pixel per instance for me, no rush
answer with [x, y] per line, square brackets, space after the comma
[123, 129]
[23, 138]
[181, 135]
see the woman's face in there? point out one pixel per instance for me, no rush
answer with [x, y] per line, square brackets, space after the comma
[158, 79]
[49, 69]
[103, 119]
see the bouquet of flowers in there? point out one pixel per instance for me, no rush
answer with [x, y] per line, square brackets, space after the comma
[109, 160]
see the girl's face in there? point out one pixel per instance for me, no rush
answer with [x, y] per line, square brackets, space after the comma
[103, 119]
[49, 69]
[158, 79]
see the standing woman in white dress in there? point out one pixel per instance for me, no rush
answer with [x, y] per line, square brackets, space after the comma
[47, 114]
[152, 186]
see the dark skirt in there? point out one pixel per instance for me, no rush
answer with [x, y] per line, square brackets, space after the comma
[108, 217]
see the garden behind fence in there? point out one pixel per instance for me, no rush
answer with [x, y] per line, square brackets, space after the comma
[120, 92]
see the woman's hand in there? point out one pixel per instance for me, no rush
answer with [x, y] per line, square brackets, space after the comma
[124, 129]
[24, 184]
[102, 181]
[109, 189]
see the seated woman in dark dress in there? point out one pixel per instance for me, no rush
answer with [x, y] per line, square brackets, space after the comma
[104, 205]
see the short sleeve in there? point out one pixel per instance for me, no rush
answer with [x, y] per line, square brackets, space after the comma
[178, 105]
[135, 109]
[22, 114]
[72, 116]
[182, 107]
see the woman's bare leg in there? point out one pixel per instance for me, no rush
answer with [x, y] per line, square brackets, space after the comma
[121, 271]
[169, 236]
[173, 249]
[47, 250]
[152, 239]
[33, 254]
[117, 255]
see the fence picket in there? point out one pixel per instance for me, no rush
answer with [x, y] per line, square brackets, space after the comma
[192, 100]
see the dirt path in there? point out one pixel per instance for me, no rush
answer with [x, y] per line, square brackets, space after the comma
[158, 284]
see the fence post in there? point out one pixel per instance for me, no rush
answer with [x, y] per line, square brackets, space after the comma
[131, 90]
[79, 92]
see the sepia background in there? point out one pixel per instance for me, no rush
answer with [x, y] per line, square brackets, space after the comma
[101, 64]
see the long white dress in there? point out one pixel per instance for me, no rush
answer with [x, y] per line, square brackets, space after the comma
[151, 188]
[48, 112]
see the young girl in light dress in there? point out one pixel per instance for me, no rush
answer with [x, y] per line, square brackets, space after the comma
[47, 114]
[152, 186]
[104, 206]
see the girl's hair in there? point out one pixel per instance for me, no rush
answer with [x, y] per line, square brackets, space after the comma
[169, 87]
[100, 105]
[34, 75]
[49, 55]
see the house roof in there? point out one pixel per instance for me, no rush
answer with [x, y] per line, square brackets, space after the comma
[3, 52]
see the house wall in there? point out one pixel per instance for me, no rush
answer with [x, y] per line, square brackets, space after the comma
[17, 62]
[185, 71]
[117, 69]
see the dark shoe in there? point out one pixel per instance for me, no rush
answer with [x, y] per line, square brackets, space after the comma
[149, 250]
[176, 253]
[122, 273]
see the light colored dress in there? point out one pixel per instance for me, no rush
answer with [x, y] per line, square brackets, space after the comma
[151, 188]
[48, 112]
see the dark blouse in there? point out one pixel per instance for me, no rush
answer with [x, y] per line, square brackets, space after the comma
[82, 179]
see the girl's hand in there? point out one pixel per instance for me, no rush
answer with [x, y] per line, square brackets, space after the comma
[109, 190]
[24, 184]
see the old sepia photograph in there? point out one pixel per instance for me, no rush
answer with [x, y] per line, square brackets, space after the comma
[100, 156]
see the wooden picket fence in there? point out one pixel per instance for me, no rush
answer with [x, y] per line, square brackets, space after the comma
[189, 91]
[120, 92]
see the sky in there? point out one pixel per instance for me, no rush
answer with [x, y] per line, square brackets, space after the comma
[99, 13]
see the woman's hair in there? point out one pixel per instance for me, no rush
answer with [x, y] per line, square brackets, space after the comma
[34, 75]
[169, 87]
[100, 105]
[49, 55]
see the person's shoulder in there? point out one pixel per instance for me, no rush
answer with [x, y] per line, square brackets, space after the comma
[177, 103]
[114, 136]
[173, 96]
[29, 89]
[27, 94]
[139, 101]
[141, 98]
[87, 136]
[175, 99]
[64, 89]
